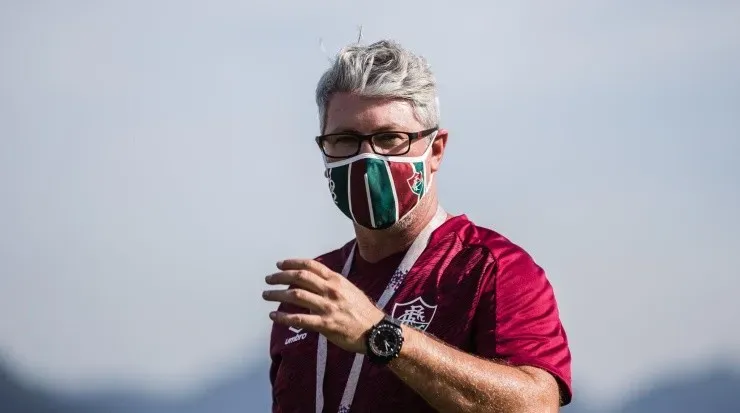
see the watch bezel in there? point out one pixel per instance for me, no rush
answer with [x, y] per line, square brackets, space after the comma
[388, 327]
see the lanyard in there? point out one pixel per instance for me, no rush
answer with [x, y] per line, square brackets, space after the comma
[417, 247]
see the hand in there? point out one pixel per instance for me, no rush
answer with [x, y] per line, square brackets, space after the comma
[339, 310]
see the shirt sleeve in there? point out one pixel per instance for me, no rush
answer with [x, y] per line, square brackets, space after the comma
[518, 319]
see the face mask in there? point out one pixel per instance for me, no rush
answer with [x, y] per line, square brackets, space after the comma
[377, 191]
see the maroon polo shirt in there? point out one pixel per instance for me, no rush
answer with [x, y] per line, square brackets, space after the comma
[471, 288]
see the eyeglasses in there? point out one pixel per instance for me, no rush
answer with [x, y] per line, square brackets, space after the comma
[345, 145]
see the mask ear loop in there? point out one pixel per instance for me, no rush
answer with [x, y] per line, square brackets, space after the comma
[432, 137]
[427, 152]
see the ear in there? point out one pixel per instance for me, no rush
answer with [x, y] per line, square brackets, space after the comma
[438, 150]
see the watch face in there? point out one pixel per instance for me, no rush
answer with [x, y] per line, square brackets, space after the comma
[385, 341]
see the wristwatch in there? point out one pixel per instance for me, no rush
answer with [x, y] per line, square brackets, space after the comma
[384, 341]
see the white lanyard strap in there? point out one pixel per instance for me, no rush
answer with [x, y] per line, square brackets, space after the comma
[414, 252]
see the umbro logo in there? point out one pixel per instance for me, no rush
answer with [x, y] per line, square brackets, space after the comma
[299, 335]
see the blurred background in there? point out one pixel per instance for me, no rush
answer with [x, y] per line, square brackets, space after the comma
[157, 157]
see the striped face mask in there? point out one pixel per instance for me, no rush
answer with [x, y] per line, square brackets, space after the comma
[376, 191]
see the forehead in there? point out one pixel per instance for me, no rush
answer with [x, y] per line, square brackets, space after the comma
[350, 112]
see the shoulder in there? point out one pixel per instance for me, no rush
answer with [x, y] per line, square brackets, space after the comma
[496, 247]
[507, 268]
[517, 317]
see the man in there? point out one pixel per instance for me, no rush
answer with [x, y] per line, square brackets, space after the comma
[423, 311]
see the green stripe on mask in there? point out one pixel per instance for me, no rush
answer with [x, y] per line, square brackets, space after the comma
[382, 201]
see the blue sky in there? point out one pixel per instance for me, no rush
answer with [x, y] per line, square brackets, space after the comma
[156, 159]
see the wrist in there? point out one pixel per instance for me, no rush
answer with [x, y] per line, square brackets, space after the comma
[409, 340]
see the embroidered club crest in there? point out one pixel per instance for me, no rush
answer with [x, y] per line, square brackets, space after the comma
[416, 183]
[415, 313]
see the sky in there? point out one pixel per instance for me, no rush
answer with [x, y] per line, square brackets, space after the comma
[157, 158]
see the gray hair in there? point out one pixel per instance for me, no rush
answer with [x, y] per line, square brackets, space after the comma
[383, 69]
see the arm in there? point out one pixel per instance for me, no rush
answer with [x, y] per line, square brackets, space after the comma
[520, 344]
[519, 341]
[454, 381]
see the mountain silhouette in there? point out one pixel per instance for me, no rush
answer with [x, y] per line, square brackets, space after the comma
[714, 390]
[21, 398]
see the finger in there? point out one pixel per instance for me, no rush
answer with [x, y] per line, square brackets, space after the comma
[305, 264]
[300, 278]
[297, 296]
[311, 322]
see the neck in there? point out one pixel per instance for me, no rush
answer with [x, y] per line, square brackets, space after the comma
[374, 245]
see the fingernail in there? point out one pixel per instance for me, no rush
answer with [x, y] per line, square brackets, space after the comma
[279, 263]
[273, 314]
[264, 294]
[267, 278]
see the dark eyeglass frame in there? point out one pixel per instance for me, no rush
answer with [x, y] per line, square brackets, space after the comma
[362, 138]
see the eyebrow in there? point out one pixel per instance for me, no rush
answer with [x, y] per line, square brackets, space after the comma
[384, 128]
